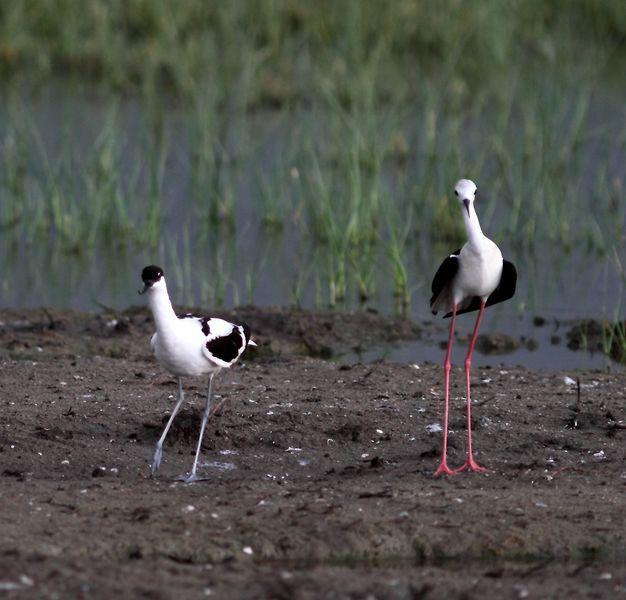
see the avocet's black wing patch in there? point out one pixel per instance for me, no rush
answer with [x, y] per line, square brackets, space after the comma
[504, 291]
[443, 278]
[206, 328]
[203, 322]
[227, 348]
[222, 342]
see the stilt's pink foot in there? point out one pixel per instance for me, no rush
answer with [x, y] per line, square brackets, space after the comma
[443, 469]
[471, 465]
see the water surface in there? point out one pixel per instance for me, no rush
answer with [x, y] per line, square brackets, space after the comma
[211, 263]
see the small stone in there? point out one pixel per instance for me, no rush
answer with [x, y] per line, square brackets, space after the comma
[433, 428]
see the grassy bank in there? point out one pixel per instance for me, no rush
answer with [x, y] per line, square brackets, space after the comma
[279, 51]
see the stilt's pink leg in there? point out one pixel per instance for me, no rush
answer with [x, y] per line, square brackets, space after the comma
[469, 461]
[443, 464]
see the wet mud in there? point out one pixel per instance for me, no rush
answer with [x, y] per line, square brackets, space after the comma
[317, 476]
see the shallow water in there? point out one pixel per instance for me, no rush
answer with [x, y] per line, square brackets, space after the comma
[208, 265]
[546, 356]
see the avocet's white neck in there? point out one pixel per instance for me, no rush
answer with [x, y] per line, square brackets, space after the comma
[161, 307]
[475, 234]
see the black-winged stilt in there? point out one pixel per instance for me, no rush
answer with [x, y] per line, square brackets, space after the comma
[189, 346]
[469, 279]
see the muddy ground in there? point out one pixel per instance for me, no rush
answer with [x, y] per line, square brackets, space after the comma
[318, 476]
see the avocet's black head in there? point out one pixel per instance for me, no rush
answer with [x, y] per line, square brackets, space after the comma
[151, 276]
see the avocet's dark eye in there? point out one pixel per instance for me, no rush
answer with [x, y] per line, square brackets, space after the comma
[456, 193]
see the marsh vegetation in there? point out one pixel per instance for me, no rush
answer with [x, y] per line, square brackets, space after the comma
[299, 153]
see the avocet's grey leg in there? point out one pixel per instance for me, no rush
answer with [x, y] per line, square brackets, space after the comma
[156, 461]
[205, 416]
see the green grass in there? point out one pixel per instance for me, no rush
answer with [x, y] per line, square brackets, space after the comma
[272, 52]
[613, 337]
[345, 124]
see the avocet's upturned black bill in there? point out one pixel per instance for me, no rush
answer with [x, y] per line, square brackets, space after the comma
[189, 346]
[470, 279]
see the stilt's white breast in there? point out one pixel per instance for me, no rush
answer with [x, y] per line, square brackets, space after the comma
[480, 270]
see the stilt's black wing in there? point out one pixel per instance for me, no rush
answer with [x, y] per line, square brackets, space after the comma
[506, 287]
[444, 276]
[504, 291]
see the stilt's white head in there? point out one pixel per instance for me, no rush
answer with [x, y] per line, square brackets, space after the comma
[153, 279]
[465, 190]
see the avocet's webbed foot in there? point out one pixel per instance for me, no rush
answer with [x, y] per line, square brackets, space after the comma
[190, 478]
